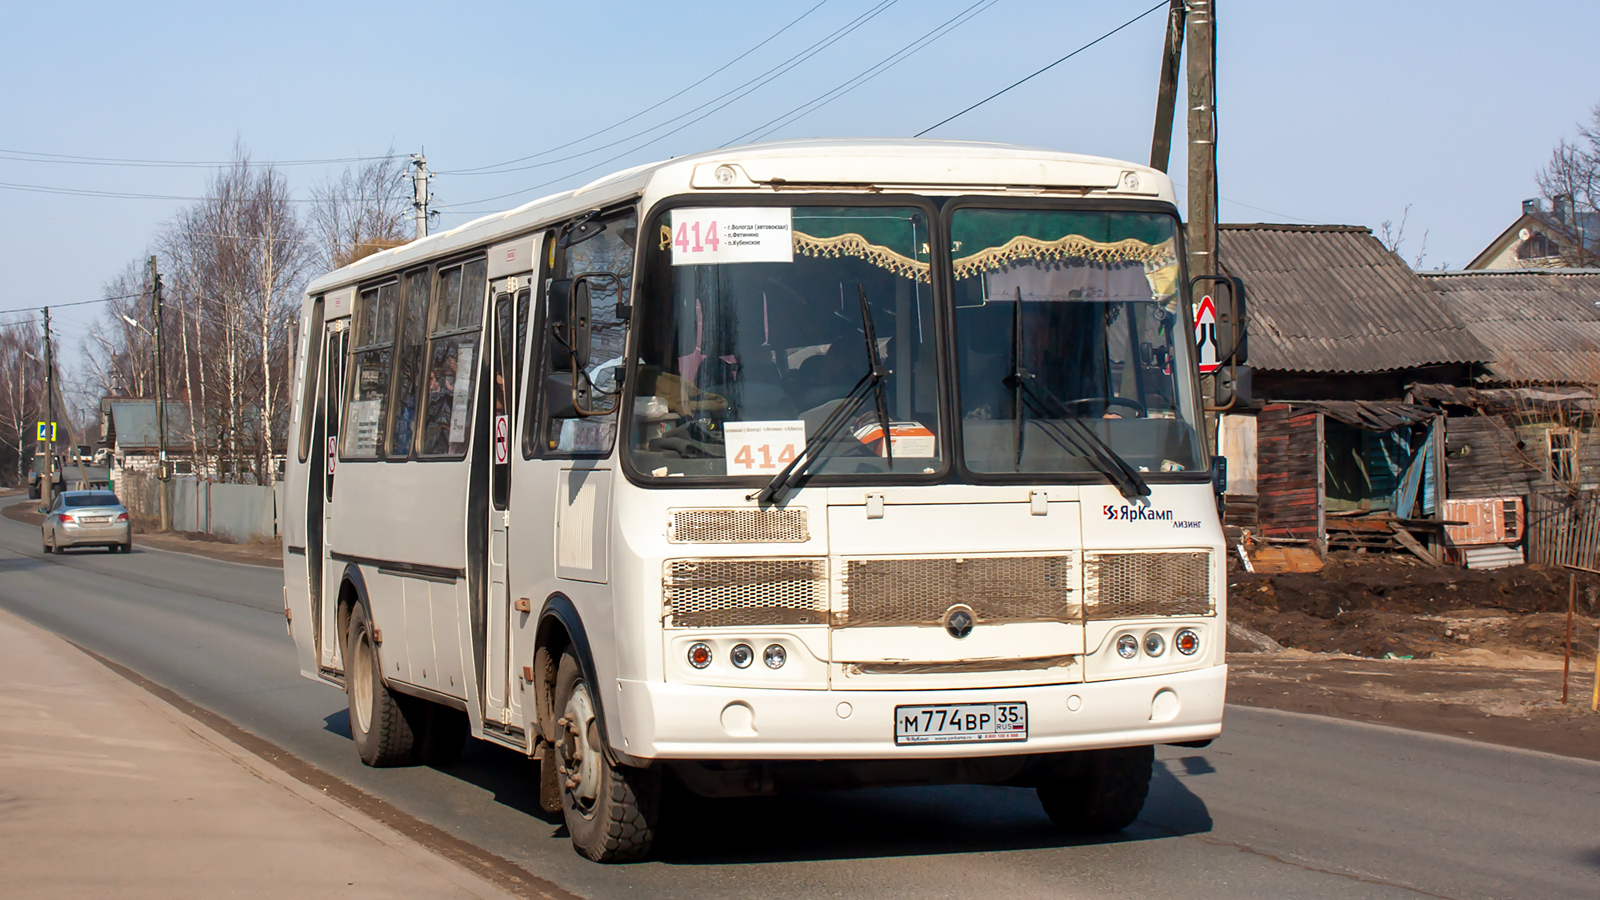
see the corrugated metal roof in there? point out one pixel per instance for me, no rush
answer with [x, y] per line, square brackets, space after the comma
[1541, 326]
[1332, 298]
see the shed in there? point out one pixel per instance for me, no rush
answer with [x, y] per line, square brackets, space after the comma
[1333, 314]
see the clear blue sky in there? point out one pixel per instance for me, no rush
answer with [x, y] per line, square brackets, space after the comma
[1329, 113]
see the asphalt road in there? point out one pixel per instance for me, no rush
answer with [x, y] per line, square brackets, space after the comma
[1282, 805]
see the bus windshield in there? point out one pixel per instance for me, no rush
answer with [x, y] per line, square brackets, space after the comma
[754, 329]
[1071, 342]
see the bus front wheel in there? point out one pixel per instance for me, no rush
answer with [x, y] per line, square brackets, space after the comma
[381, 729]
[1097, 791]
[610, 809]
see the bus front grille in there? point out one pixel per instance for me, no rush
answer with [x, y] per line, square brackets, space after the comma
[918, 591]
[708, 593]
[1135, 585]
[739, 526]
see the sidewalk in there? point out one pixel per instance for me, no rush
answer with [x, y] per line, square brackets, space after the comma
[106, 791]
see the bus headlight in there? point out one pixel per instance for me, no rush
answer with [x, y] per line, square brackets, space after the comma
[1187, 641]
[1154, 643]
[741, 656]
[1127, 646]
[699, 654]
[775, 656]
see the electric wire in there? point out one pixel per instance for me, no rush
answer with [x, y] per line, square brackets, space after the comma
[1162, 5]
[883, 65]
[68, 159]
[741, 92]
[483, 170]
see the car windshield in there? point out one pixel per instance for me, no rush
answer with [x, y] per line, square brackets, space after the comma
[97, 498]
[1071, 341]
[754, 328]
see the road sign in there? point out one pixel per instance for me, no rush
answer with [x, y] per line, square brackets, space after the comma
[502, 439]
[1205, 335]
[47, 431]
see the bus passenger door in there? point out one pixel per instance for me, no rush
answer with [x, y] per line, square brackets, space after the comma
[503, 329]
[330, 656]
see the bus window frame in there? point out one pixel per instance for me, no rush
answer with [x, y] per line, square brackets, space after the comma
[427, 271]
[420, 427]
[357, 320]
[944, 329]
[311, 369]
[554, 260]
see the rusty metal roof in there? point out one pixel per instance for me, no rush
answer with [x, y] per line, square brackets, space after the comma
[1332, 298]
[1541, 326]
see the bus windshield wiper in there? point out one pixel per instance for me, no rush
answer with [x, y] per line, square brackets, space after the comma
[840, 416]
[1081, 440]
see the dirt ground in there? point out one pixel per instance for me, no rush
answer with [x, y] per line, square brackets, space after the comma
[1476, 654]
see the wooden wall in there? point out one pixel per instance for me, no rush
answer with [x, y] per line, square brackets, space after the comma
[1289, 472]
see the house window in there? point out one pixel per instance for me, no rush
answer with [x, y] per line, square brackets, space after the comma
[1561, 449]
[1537, 246]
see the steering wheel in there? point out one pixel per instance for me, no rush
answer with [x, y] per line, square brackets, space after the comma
[1100, 406]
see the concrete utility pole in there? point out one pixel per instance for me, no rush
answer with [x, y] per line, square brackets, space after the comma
[1202, 138]
[48, 489]
[162, 472]
[419, 191]
[1167, 95]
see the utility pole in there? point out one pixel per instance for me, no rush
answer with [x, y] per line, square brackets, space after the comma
[1167, 95]
[162, 472]
[48, 489]
[419, 191]
[1202, 138]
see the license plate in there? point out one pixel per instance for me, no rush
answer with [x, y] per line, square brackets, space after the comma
[96, 520]
[961, 723]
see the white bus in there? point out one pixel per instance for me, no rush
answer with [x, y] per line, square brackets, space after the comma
[812, 463]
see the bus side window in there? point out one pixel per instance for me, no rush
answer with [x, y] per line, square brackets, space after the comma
[408, 368]
[458, 299]
[310, 357]
[612, 252]
[368, 395]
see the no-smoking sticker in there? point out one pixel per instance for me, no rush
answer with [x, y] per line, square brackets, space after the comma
[502, 439]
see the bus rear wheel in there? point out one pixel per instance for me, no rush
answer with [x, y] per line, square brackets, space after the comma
[610, 809]
[381, 729]
[1097, 791]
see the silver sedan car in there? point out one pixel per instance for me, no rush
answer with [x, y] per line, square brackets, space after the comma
[86, 519]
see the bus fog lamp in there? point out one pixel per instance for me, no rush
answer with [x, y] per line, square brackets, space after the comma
[1127, 646]
[1154, 643]
[775, 656]
[741, 656]
[1187, 641]
[699, 654]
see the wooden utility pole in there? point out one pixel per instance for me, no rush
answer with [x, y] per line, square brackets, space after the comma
[1167, 95]
[1202, 139]
[162, 472]
[48, 488]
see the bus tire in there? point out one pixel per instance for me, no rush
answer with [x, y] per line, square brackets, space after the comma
[610, 809]
[381, 729]
[1098, 791]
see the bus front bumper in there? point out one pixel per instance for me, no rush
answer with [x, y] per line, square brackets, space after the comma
[675, 721]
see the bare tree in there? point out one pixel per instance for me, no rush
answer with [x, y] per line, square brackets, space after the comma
[1570, 183]
[1395, 238]
[21, 392]
[362, 211]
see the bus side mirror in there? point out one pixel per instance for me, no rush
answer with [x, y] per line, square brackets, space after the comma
[566, 395]
[1231, 382]
[567, 324]
[1219, 474]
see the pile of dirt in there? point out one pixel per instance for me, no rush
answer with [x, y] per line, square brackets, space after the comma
[1378, 606]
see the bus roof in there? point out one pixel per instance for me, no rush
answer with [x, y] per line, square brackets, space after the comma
[838, 164]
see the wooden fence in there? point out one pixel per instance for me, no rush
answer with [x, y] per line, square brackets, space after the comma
[1564, 527]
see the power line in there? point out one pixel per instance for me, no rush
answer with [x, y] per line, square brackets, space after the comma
[742, 91]
[68, 159]
[115, 195]
[884, 65]
[482, 170]
[66, 305]
[1162, 5]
